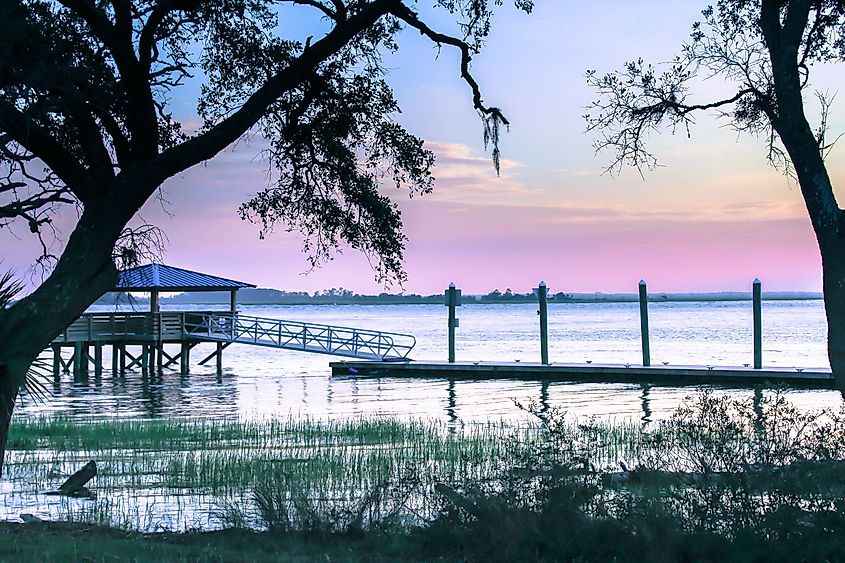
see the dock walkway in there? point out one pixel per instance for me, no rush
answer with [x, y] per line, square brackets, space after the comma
[604, 373]
[152, 331]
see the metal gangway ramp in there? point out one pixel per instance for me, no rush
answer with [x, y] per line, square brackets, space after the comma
[295, 335]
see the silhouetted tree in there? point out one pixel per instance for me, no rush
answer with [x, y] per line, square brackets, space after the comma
[766, 48]
[86, 122]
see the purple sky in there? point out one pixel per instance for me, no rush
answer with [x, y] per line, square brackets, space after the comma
[713, 218]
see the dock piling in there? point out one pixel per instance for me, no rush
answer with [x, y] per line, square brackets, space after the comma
[185, 359]
[542, 296]
[115, 360]
[98, 359]
[80, 359]
[453, 300]
[757, 298]
[57, 360]
[219, 358]
[145, 359]
[644, 323]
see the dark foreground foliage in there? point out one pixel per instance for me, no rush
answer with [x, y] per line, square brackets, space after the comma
[721, 480]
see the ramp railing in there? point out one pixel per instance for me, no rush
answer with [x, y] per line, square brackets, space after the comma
[296, 335]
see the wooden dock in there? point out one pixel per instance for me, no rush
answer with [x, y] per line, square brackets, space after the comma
[819, 378]
[141, 339]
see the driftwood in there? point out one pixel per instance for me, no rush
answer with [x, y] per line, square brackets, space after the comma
[75, 484]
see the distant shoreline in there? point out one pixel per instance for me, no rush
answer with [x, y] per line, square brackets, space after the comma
[276, 297]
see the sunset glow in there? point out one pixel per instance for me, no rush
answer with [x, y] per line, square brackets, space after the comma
[714, 218]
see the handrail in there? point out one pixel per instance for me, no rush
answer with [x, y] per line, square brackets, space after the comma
[309, 337]
[225, 326]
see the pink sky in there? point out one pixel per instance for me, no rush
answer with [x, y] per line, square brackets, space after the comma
[714, 218]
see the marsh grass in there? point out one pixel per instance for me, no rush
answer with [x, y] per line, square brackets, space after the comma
[720, 480]
[187, 471]
[719, 473]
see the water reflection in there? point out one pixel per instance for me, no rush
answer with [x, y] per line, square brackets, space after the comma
[451, 402]
[758, 411]
[544, 397]
[646, 404]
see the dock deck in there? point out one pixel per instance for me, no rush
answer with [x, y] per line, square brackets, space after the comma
[603, 373]
[152, 331]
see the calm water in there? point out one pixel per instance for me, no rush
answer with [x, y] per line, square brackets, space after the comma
[266, 382]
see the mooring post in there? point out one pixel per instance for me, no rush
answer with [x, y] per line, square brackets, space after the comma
[453, 300]
[644, 322]
[542, 296]
[757, 298]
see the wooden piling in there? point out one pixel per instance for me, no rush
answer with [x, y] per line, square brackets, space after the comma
[453, 296]
[115, 359]
[219, 358]
[80, 359]
[542, 297]
[757, 298]
[644, 323]
[57, 360]
[98, 359]
[160, 357]
[145, 359]
[185, 359]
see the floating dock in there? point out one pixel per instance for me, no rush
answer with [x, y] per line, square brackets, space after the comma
[819, 378]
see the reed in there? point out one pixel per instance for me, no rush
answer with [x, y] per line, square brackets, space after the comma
[183, 472]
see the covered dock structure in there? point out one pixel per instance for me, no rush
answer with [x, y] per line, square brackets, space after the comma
[141, 338]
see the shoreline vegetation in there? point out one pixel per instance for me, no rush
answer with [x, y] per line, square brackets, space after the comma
[334, 296]
[721, 479]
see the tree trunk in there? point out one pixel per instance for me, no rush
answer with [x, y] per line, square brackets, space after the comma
[8, 395]
[833, 268]
[784, 39]
[84, 272]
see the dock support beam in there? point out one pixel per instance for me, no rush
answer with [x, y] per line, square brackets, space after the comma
[219, 358]
[644, 323]
[159, 351]
[453, 297]
[542, 297]
[98, 359]
[757, 298]
[57, 360]
[185, 359]
[80, 359]
[145, 349]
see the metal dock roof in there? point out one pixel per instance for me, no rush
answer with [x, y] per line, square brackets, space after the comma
[159, 277]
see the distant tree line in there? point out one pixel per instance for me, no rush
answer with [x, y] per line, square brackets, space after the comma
[342, 296]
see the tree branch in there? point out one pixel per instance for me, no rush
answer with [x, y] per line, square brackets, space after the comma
[142, 122]
[148, 33]
[683, 109]
[206, 145]
[331, 14]
[38, 141]
[401, 11]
